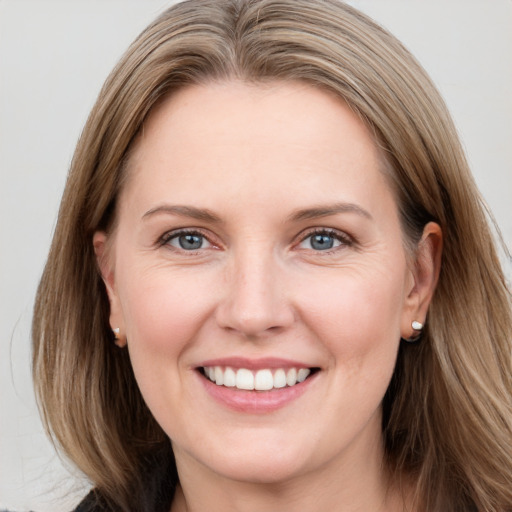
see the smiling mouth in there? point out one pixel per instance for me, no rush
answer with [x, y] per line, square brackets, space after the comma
[260, 380]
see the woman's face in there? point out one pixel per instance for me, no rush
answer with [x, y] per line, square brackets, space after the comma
[258, 242]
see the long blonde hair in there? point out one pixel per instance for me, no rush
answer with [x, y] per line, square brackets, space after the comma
[448, 410]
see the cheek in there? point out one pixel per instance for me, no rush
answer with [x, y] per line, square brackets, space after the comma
[357, 317]
[162, 309]
[162, 314]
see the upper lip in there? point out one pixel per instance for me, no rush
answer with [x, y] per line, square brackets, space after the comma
[255, 364]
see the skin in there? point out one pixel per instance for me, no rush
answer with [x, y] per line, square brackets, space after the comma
[254, 156]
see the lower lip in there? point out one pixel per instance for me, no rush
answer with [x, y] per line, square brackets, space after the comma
[256, 402]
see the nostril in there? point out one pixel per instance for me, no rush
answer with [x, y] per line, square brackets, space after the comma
[256, 323]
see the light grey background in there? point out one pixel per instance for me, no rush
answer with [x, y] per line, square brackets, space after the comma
[54, 56]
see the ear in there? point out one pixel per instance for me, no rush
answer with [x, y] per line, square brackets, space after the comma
[104, 258]
[424, 272]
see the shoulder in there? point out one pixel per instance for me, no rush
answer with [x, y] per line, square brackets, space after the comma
[153, 494]
[91, 503]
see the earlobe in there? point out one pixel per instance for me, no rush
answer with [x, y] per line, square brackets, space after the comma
[106, 268]
[425, 273]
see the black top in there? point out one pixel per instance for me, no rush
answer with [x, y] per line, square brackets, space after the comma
[153, 493]
[89, 504]
[93, 502]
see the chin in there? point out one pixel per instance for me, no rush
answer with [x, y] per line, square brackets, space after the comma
[259, 471]
[250, 460]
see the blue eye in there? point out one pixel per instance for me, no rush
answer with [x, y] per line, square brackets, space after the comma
[188, 241]
[323, 241]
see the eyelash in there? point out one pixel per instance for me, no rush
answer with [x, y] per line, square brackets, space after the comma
[167, 237]
[344, 239]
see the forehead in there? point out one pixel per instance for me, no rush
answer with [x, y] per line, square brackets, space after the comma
[229, 139]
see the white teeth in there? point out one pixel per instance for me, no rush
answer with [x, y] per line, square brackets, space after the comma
[262, 380]
[291, 377]
[302, 374]
[279, 379]
[244, 379]
[219, 376]
[229, 378]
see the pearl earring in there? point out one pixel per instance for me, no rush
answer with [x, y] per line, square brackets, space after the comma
[417, 327]
[117, 337]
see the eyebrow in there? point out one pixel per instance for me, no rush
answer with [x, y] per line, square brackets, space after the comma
[314, 212]
[326, 210]
[184, 211]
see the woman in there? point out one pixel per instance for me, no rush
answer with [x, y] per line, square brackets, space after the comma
[272, 284]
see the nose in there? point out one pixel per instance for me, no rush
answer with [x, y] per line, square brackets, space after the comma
[254, 302]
